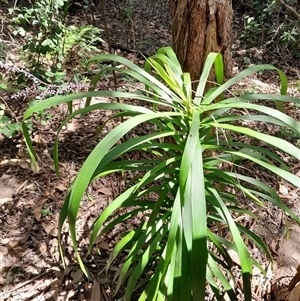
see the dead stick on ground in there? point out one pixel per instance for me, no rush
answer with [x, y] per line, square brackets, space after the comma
[18, 286]
[290, 8]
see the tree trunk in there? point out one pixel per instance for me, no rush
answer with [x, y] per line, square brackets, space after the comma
[198, 28]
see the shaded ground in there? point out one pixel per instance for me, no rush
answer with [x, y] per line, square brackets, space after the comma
[30, 201]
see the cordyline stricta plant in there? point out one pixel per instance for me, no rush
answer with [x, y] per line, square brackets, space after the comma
[192, 169]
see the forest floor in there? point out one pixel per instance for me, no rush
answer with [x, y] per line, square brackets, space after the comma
[30, 201]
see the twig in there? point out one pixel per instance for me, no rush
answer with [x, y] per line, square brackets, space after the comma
[18, 286]
[8, 108]
[20, 188]
[290, 8]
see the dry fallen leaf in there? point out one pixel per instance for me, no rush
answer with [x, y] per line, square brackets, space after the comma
[105, 190]
[295, 280]
[294, 295]
[283, 189]
[26, 202]
[113, 268]
[50, 229]
[37, 213]
[103, 245]
[96, 292]
[61, 187]
[43, 248]
[9, 277]
[234, 256]
[77, 276]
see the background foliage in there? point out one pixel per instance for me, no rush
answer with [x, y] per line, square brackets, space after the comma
[272, 23]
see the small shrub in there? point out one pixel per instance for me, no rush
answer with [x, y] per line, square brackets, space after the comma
[49, 41]
[272, 23]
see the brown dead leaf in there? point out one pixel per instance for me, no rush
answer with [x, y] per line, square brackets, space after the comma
[96, 292]
[113, 268]
[103, 245]
[77, 276]
[9, 277]
[105, 190]
[295, 166]
[61, 187]
[38, 213]
[283, 189]
[50, 229]
[294, 280]
[67, 271]
[256, 271]
[234, 256]
[43, 200]
[43, 248]
[55, 293]
[26, 202]
[25, 164]
[294, 295]
[102, 280]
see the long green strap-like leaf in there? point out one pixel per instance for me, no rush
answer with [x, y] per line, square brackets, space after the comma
[159, 170]
[138, 73]
[194, 210]
[170, 269]
[240, 76]
[56, 100]
[279, 143]
[220, 276]
[157, 235]
[289, 122]
[245, 259]
[87, 171]
[271, 195]
[29, 144]
[195, 206]
[204, 76]
[279, 171]
[104, 106]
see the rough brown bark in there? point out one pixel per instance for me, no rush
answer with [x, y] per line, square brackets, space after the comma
[198, 28]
